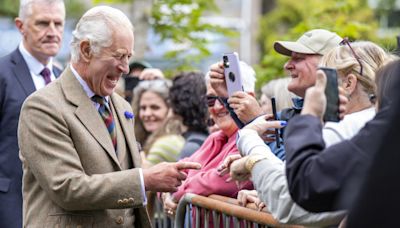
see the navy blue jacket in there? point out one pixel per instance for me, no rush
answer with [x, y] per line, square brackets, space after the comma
[16, 85]
[326, 179]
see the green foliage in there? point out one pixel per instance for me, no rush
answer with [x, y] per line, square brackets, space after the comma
[74, 8]
[290, 19]
[9, 8]
[180, 21]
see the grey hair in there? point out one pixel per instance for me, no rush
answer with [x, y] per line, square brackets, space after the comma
[248, 77]
[97, 26]
[25, 7]
[278, 88]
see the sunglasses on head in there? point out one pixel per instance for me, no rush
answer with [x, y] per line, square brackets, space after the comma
[346, 41]
[211, 100]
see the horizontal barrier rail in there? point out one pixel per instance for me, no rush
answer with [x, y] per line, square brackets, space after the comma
[220, 211]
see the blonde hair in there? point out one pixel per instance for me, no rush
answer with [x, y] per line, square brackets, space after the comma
[278, 88]
[371, 56]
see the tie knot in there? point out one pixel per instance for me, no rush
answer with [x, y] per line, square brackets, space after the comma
[99, 99]
[45, 72]
[46, 75]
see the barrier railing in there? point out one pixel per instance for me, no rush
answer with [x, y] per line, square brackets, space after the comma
[219, 211]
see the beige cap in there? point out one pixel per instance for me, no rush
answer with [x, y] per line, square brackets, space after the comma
[317, 41]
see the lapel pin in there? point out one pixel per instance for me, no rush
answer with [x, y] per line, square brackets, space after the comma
[129, 115]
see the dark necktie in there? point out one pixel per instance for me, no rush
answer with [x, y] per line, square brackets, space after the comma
[46, 75]
[105, 113]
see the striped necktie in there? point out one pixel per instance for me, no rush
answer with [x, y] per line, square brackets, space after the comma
[105, 113]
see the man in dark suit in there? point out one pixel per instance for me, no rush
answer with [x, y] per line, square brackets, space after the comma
[41, 24]
[81, 163]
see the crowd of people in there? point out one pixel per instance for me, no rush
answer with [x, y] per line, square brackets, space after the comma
[94, 144]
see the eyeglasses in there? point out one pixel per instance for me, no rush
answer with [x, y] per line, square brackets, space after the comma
[211, 100]
[346, 41]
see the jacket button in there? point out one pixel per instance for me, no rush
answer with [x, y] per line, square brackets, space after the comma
[125, 201]
[131, 200]
[119, 220]
[119, 201]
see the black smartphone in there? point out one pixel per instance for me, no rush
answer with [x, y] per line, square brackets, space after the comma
[277, 136]
[332, 95]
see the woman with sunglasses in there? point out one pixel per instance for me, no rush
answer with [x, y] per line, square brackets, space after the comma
[214, 150]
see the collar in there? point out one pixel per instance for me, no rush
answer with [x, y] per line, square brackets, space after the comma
[298, 103]
[84, 85]
[33, 64]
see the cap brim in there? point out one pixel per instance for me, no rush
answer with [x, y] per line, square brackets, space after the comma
[287, 47]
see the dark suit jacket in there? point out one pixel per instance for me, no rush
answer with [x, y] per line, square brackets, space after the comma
[325, 179]
[15, 85]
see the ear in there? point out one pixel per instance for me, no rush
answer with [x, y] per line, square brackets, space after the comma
[20, 25]
[85, 50]
[349, 83]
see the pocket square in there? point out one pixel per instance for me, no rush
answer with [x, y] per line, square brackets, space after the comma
[129, 115]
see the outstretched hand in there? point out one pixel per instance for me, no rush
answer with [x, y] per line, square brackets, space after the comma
[225, 166]
[264, 125]
[167, 177]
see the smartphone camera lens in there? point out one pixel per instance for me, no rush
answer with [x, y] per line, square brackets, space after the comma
[225, 60]
[232, 76]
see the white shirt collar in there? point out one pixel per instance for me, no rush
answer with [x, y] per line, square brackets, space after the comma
[33, 64]
[84, 85]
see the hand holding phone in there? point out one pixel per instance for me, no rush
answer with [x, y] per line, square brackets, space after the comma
[332, 95]
[233, 78]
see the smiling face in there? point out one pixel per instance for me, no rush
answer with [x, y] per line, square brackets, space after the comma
[152, 111]
[42, 30]
[220, 115]
[104, 69]
[302, 68]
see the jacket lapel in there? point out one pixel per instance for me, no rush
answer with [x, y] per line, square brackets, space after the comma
[128, 131]
[87, 113]
[22, 73]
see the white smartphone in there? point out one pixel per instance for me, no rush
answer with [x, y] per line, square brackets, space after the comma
[233, 78]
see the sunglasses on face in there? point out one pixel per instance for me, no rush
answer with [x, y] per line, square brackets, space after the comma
[211, 100]
[346, 41]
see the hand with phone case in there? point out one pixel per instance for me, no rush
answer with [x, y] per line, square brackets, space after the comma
[332, 95]
[233, 78]
[315, 100]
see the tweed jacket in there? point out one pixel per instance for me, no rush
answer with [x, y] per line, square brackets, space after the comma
[72, 176]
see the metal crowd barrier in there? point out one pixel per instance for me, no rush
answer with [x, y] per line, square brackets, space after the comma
[219, 211]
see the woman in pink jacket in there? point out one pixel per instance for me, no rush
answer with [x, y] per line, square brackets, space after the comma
[214, 150]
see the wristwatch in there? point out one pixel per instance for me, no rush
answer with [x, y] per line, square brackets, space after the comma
[252, 160]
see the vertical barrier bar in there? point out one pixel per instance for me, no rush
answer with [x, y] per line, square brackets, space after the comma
[217, 219]
[206, 218]
[197, 211]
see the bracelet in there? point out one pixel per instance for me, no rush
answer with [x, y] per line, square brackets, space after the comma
[252, 160]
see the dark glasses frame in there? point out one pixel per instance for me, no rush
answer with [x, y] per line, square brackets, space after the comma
[211, 100]
[347, 42]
